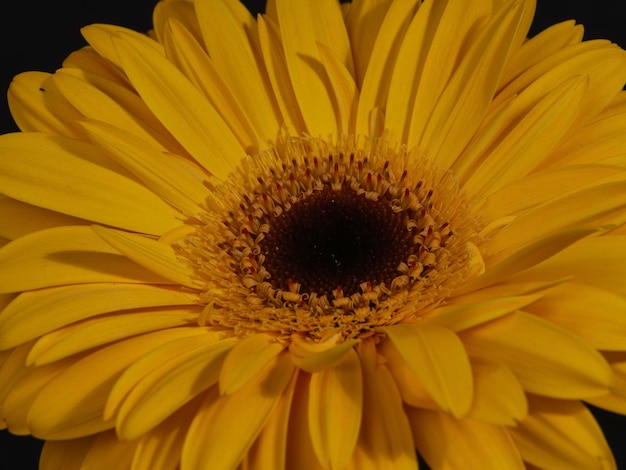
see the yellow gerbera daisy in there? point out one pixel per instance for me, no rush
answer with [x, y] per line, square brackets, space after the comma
[323, 238]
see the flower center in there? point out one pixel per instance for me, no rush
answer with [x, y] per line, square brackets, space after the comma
[317, 240]
[336, 239]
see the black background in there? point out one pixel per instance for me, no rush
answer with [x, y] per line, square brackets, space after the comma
[38, 35]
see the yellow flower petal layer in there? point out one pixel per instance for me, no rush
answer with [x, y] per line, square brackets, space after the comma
[385, 441]
[562, 434]
[447, 443]
[38, 312]
[245, 360]
[167, 92]
[569, 368]
[66, 255]
[225, 427]
[438, 358]
[57, 173]
[334, 408]
[158, 257]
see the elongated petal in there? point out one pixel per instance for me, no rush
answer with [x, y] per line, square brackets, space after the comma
[270, 449]
[66, 255]
[153, 255]
[569, 306]
[385, 441]
[306, 71]
[165, 389]
[108, 450]
[314, 357]
[69, 455]
[569, 368]
[225, 427]
[163, 175]
[70, 406]
[474, 444]
[167, 92]
[37, 106]
[375, 87]
[55, 173]
[245, 360]
[96, 332]
[225, 31]
[562, 434]
[438, 359]
[498, 396]
[335, 411]
[36, 313]
[19, 219]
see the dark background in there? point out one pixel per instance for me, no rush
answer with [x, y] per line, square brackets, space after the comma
[38, 35]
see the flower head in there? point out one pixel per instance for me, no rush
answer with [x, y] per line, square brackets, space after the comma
[329, 237]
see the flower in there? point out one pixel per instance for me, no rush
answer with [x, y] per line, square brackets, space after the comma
[323, 238]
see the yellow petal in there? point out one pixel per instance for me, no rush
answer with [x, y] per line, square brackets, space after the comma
[562, 434]
[180, 11]
[88, 334]
[187, 54]
[105, 100]
[181, 347]
[595, 315]
[314, 357]
[245, 360]
[447, 443]
[335, 410]
[108, 451]
[300, 452]
[70, 406]
[274, 56]
[299, 39]
[375, 87]
[600, 205]
[37, 106]
[66, 255]
[19, 219]
[385, 441]
[153, 255]
[438, 359]
[163, 175]
[269, 450]
[99, 36]
[226, 26]
[344, 91]
[464, 100]
[607, 271]
[543, 186]
[163, 390]
[167, 92]
[569, 368]
[527, 257]
[57, 173]
[68, 455]
[225, 427]
[498, 396]
[38, 312]
[458, 317]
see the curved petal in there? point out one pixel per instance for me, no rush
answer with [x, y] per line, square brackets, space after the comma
[225, 427]
[158, 257]
[33, 314]
[55, 173]
[562, 434]
[67, 455]
[66, 255]
[447, 443]
[568, 368]
[245, 360]
[437, 357]
[335, 411]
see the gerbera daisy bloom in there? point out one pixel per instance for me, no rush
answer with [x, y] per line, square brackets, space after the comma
[333, 236]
